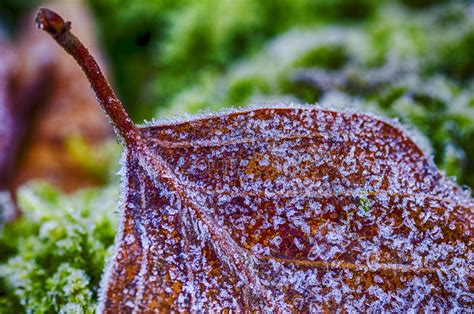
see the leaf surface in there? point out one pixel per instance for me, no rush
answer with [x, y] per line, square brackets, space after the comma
[289, 209]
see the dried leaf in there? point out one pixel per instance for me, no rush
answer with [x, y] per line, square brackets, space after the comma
[21, 87]
[280, 209]
[8, 133]
[289, 209]
[7, 130]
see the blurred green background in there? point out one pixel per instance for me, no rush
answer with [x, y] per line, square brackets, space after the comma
[410, 60]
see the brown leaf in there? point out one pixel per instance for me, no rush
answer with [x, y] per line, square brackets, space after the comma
[280, 209]
[7, 130]
[289, 209]
[21, 88]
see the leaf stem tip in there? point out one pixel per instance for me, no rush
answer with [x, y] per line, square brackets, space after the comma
[51, 22]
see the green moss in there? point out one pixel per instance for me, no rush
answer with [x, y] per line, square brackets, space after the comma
[326, 56]
[55, 253]
[167, 46]
[455, 56]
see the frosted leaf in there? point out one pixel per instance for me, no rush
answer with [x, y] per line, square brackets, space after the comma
[290, 208]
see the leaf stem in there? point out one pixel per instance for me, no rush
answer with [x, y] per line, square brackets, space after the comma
[54, 24]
